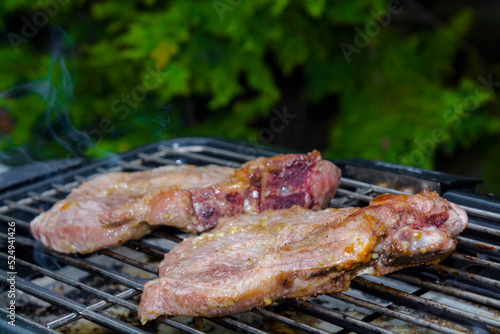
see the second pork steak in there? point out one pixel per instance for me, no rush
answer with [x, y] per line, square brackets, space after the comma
[249, 261]
[113, 208]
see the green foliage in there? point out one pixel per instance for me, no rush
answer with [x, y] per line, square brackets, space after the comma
[402, 110]
[400, 99]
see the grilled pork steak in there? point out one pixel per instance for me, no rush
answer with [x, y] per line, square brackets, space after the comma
[248, 261]
[114, 208]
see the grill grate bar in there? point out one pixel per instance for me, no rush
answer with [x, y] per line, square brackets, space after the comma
[105, 272]
[157, 159]
[461, 293]
[469, 276]
[103, 305]
[178, 325]
[393, 313]
[80, 178]
[65, 188]
[22, 223]
[338, 318]
[475, 260]
[359, 184]
[22, 207]
[12, 205]
[232, 322]
[127, 260]
[147, 248]
[483, 229]
[99, 306]
[102, 170]
[39, 197]
[68, 304]
[33, 196]
[450, 311]
[230, 154]
[79, 263]
[481, 247]
[290, 322]
[481, 213]
[33, 326]
[340, 202]
[134, 165]
[168, 236]
[76, 284]
[356, 195]
[45, 196]
[203, 158]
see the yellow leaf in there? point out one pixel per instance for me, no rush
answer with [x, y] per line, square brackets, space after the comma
[163, 52]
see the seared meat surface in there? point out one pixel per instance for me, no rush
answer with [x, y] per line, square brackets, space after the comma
[113, 208]
[249, 261]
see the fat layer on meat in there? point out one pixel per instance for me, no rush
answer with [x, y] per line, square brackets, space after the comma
[113, 208]
[249, 261]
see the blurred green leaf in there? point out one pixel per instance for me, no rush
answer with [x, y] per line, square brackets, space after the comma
[146, 70]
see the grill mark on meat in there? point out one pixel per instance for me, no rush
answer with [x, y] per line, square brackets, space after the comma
[248, 261]
[117, 207]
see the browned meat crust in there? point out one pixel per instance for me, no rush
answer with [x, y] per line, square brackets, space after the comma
[114, 208]
[248, 261]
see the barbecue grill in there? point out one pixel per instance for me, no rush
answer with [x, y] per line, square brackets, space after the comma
[100, 292]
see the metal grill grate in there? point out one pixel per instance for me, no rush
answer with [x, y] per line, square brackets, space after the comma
[459, 295]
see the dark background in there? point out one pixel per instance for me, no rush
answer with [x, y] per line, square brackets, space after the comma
[399, 81]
